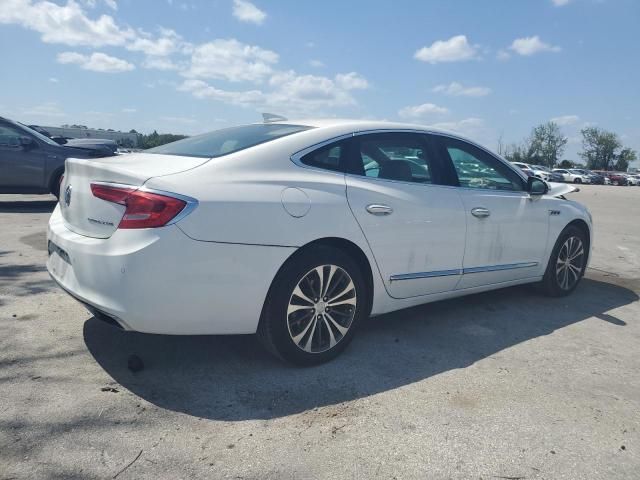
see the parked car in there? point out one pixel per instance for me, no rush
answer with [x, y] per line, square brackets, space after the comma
[300, 231]
[33, 163]
[556, 177]
[614, 177]
[633, 179]
[533, 170]
[572, 175]
[594, 177]
[87, 143]
[524, 167]
[541, 171]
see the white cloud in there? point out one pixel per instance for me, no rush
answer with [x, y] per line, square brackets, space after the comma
[503, 55]
[47, 109]
[420, 111]
[560, 3]
[96, 62]
[566, 119]
[247, 12]
[65, 24]
[231, 60]
[166, 43]
[473, 127]
[53, 80]
[129, 110]
[316, 63]
[182, 120]
[456, 49]
[287, 92]
[458, 90]
[159, 63]
[531, 45]
[112, 4]
[351, 81]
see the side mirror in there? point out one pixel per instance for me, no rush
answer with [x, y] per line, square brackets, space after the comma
[27, 142]
[536, 186]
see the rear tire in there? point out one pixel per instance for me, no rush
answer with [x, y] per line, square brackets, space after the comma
[567, 263]
[314, 306]
[54, 186]
[577, 180]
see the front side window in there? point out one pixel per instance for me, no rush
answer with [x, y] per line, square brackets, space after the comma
[228, 140]
[478, 169]
[9, 137]
[394, 156]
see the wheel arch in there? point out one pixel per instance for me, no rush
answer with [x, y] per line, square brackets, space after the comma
[346, 246]
[582, 225]
[54, 180]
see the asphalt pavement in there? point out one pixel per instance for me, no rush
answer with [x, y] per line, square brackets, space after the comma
[507, 384]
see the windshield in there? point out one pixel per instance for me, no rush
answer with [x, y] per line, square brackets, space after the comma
[38, 135]
[228, 140]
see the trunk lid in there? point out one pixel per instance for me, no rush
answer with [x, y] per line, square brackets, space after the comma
[93, 217]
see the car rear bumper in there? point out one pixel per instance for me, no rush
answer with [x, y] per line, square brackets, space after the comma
[161, 281]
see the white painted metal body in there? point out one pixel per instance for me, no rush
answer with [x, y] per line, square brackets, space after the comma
[210, 272]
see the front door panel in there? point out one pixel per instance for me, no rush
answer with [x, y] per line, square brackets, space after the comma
[415, 227]
[509, 243]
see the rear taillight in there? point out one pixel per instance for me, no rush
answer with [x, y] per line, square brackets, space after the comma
[143, 209]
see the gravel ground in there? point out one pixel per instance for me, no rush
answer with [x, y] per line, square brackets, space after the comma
[506, 384]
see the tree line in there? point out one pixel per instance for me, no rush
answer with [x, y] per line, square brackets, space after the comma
[154, 139]
[601, 149]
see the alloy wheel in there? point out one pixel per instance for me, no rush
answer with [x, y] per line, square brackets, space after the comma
[321, 308]
[569, 263]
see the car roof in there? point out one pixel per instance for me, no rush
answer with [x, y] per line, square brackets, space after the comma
[352, 125]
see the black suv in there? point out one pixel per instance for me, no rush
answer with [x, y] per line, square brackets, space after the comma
[33, 163]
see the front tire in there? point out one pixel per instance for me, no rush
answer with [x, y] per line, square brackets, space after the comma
[567, 263]
[313, 307]
[577, 180]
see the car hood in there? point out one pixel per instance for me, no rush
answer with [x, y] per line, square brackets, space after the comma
[560, 189]
[92, 144]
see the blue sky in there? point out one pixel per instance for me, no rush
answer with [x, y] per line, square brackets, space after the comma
[484, 68]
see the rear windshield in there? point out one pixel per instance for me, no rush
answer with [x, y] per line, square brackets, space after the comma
[228, 140]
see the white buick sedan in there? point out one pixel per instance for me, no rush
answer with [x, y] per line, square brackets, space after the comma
[298, 231]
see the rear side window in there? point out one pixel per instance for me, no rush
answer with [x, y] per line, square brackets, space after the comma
[402, 157]
[228, 140]
[327, 158]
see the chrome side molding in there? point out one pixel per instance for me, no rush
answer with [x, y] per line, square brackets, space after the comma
[465, 271]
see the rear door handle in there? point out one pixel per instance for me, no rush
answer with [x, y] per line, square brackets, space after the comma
[480, 212]
[378, 209]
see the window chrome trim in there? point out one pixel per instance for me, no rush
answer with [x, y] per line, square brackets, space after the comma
[465, 271]
[296, 157]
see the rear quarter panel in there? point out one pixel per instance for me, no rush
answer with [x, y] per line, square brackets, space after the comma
[241, 201]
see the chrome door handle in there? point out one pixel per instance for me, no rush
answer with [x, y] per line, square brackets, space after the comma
[480, 212]
[377, 209]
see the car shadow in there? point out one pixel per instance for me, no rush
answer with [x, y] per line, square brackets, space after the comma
[232, 378]
[28, 206]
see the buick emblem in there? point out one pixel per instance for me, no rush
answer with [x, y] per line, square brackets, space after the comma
[67, 195]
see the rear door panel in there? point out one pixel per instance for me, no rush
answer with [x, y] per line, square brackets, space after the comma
[419, 243]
